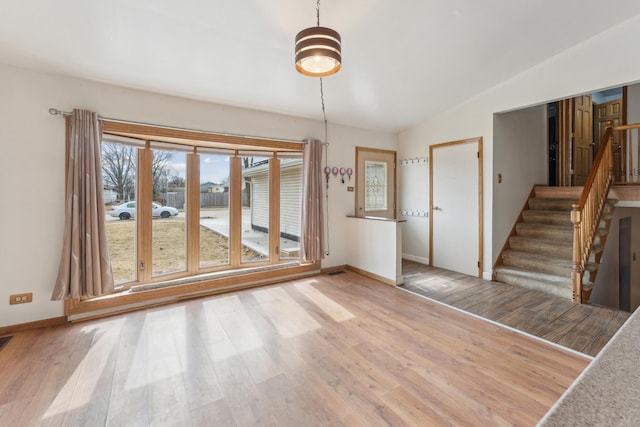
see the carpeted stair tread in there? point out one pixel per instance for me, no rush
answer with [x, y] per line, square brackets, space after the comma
[537, 262]
[550, 283]
[547, 217]
[545, 231]
[539, 203]
[542, 263]
[547, 192]
[553, 248]
[539, 255]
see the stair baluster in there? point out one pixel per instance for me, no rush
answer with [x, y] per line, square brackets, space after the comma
[586, 213]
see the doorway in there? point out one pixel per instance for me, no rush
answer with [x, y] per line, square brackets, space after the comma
[455, 206]
[576, 126]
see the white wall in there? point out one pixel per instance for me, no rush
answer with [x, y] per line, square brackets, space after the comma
[374, 247]
[415, 176]
[633, 104]
[32, 168]
[578, 70]
[520, 157]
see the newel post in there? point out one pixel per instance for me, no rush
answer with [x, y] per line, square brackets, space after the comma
[578, 268]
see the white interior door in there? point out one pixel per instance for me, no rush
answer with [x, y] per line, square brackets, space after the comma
[455, 207]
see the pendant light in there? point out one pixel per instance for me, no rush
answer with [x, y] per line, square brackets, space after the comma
[318, 50]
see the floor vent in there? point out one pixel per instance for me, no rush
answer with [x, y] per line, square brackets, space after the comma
[333, 273]
[4, 341]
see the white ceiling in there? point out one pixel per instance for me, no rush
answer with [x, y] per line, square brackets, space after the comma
[403, 60]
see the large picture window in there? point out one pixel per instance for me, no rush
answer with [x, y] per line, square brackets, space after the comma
[179, 207]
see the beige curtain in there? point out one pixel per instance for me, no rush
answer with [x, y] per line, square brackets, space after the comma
[85, 268]
[312, 202]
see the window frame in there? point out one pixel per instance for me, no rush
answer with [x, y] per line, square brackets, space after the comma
[194, 278]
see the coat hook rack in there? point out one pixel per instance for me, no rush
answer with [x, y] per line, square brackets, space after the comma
[413, 161]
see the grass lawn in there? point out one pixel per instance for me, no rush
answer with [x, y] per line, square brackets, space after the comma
[168, 246]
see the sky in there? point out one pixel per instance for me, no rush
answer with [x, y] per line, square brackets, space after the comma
[213, 168]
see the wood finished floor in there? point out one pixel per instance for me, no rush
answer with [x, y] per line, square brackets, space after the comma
[581, 327]
[330, 350]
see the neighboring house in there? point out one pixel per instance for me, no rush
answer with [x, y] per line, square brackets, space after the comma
[257, 177]
[109, 195]
[211, 187]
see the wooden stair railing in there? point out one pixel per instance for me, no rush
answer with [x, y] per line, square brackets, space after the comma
[586, 213]
[629, 144]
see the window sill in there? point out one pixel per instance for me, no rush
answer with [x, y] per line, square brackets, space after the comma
[149, 295]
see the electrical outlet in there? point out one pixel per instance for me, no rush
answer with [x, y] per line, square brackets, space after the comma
[20, 298]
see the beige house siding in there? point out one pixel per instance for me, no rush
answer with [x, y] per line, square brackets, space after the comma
[291, 200]
[260, 200]
[290, 197]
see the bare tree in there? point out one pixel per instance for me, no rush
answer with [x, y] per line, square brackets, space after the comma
[176, 181]
[247, 162]
[160, 171]
[118, 169]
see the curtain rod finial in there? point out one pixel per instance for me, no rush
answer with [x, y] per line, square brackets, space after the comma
[56, 112]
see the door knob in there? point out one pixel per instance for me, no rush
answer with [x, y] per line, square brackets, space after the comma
[437, 208]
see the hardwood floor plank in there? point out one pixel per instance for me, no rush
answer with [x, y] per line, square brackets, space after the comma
[201, 380]
[326, 304]
[351, 390]
[288, 317]
[213, 414]
[167, 394]
[240, 393]
[443, 396]
[128, 403]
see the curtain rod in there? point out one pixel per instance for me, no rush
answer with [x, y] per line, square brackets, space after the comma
[56, 112]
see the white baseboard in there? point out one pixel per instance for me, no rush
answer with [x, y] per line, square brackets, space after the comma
[414, 258]
[487, 275]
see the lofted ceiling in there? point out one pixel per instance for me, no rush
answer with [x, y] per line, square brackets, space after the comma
[403, 60]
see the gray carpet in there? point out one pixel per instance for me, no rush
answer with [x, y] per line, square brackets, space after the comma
[607, 393]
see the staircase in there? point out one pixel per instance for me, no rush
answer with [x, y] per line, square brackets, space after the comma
[538, 254]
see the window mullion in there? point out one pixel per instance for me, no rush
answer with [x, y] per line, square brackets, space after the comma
[274, 210]
[193, 213]
[143, 207]
[235, 211]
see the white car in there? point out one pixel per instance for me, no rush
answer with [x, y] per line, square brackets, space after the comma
[128, 210]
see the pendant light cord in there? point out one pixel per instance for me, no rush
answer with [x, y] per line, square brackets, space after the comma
[326, 146]
[326, 163]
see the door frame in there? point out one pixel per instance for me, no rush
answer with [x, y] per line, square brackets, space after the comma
[564, 135]
[362, 152]
[480, 197]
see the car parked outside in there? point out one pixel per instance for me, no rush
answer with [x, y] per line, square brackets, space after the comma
[128, 211]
